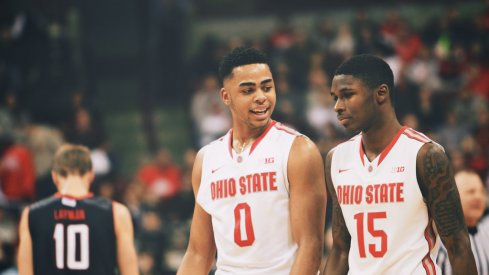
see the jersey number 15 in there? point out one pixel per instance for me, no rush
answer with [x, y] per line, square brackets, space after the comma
[371, 217]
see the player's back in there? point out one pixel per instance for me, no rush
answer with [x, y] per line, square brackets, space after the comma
[73, 236]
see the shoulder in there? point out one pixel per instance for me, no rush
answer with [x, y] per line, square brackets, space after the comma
[431, 151]
[42, 203]
[285, 129]
[100, 202]
[304, 153]
[120, 210]
[484, 223]
[303, 145]
[197, 169]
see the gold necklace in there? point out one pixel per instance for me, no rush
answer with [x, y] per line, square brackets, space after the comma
[242, 147]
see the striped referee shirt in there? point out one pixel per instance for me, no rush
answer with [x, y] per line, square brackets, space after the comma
[479, 240]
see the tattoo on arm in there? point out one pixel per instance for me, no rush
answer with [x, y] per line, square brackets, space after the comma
[341, 236]
[438, 186]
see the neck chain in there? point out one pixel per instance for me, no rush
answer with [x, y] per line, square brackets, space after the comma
[241, 148]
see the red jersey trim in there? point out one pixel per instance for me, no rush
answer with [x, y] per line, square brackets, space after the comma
[427, 262]
[230, 145]
[386, 150]
[362, 152]
[279, 126]
[412, 134]
[87, 196]
[257, 141]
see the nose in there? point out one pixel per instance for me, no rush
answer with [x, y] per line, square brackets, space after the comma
[339, 106]
[260, 96]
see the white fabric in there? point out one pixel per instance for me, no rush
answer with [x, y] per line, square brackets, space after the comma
[253, 200]
[388, 204]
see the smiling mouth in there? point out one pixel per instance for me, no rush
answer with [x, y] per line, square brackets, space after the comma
[260, 112]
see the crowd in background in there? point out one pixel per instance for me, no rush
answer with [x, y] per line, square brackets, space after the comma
[441, 72]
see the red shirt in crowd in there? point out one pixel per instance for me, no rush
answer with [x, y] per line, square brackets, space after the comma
[165, 181]
[17, 174]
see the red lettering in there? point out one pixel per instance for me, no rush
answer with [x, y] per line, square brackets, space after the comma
[376, 192]
[346, 194]
[391, 193]
[358, 194]
[256, 183]
[242, 186]
[248, 180]
[339, 194]
[272, 181]
[213, 190]
[384, 194]
[400, 192]
[219, 189]
[65, 214]
[232, 187]
[369, 197]
[264, 178]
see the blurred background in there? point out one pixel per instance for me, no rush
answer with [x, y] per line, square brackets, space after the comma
[135, 81]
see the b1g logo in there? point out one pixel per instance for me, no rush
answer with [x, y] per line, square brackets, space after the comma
[397, 169]
[269, 160]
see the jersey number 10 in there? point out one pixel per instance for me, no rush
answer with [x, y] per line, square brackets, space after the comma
[71, 249]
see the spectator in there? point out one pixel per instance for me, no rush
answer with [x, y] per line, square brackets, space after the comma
[162, 176]
[473, 198]
[17, 171]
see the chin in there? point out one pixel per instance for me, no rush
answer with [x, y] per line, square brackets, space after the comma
[260, 123]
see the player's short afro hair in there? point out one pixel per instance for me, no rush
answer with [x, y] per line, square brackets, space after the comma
[238, 57]
[372, 70]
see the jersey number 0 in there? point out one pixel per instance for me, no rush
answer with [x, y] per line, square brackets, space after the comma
[72, 249]
[242, 222]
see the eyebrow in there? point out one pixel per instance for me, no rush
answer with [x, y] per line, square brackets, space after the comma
[253, 83]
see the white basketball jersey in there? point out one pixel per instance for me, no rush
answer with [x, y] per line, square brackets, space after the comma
[390, 227]
[247, 196]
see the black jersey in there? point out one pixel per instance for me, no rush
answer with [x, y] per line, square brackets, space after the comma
[73, 236]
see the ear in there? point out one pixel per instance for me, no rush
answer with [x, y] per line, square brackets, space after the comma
[225, 96]
[382, 94]
[55, 177]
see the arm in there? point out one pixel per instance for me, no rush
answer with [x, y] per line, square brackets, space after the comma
[436, 181]
[201, 249]
[307, 204]
[337, 262]
[24, 260]
[126, 252]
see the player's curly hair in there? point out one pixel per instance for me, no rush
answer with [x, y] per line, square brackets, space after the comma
[72, 159]
[238, 57]
[372, 70]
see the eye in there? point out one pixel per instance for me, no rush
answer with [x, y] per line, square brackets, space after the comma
[335, 98]
[248, 90]
[347, 95]
[267, 88]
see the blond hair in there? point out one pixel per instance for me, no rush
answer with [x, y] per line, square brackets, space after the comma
[72, 159]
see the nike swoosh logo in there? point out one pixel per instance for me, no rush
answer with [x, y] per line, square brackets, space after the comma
[214, 170]
[343, 170]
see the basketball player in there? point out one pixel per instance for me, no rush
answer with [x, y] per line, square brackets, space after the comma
[392, 188]
[259, 189]
[74, 232]
[473, 198]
